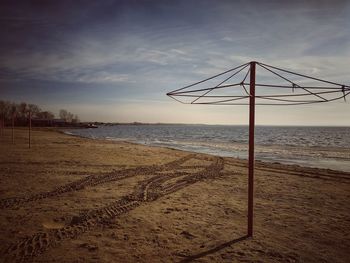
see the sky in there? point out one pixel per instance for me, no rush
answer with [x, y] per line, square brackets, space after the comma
[114, 61]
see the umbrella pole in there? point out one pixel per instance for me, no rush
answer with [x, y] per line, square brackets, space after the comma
[251, 149]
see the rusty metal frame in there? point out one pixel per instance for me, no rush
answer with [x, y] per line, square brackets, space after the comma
[314, 94]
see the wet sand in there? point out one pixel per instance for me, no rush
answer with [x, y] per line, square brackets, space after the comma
[70, 199]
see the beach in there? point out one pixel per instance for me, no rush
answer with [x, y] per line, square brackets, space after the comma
[73, 199]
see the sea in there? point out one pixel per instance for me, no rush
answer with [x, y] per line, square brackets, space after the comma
[321, 147]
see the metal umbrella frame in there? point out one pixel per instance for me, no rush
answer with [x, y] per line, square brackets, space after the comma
[290, 93]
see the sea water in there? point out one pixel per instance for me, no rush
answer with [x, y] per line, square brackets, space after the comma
[323, 147]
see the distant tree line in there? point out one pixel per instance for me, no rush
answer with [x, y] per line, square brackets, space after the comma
[20, 112]
[68, 116]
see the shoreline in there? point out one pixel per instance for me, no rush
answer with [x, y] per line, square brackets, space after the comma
[267, 153]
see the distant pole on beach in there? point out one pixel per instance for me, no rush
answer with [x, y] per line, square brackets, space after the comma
[251, 149]
[13, 128]
[2, 127]
[30, 127]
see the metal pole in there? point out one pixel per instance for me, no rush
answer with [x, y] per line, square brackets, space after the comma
[2, 126]
[13, 128]
[30, 126]
[251, 149]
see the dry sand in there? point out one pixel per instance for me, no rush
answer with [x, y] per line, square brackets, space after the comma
[70, 199]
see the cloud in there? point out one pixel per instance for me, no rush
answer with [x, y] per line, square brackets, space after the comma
[137, 51]
[104, 77]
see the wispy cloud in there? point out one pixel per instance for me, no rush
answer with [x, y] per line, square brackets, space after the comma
[139, 51]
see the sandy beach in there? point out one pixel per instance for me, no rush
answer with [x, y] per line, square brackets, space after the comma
[71, 199]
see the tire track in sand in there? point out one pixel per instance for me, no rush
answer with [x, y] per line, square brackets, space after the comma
[147, 191]
[94, 180]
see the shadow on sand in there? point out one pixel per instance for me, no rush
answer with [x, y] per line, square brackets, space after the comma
[213, 250]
